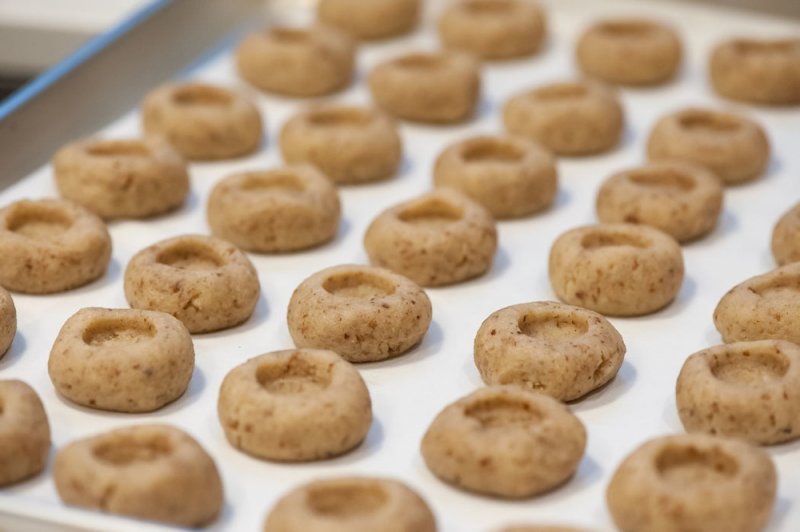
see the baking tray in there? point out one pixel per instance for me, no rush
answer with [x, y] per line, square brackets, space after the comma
[408, 391]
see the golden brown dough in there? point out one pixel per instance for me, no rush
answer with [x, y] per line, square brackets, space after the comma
[24, 432]
[370, 19]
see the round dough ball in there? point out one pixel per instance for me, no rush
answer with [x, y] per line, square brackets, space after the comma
[122, 360]
[680, 198]
[434, 87]
[205, 282]
[568, 118]
[153, 472]
[552, 348]
[510, 176]
[763, 307]
[744, 390]
[504, 441]
[319, 404]
[203, 122]
[629, 51]
[735, 148]
[786, 237]
[693, 482]
[370, 19]
[8, 321]
[24, 432]
[123, 178]
[302, 62]
[351, 504]
[51, 245]
[274, 211]
[493, 29]
[362, 313]
[349, 144]
[757, 71]
[616, 269]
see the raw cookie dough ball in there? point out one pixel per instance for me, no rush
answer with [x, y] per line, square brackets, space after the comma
[205, 282]
[50, 246]
[552, 348]
[122, 360]
[351, 504]
[154, 472]
[370, 19]
[744, 390]
[629, 51]
[8, 321]
[24, 432]
[680, 198]
[786, 237]
[304, 62]
[763, 307]
[510, 176]
[273, 211]
[693, 482]
[757, 71]
[493, 29]
[349, 144]
[362, 313]
[735, 148]
[203, 121]
[504, 441]
[123, 178]
[439, 238]
[616, 269]
[433, 87]
[319, 404]
[569, 118]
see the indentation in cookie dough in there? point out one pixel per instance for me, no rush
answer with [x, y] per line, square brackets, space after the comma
[784, 288]
[699, 120]
[201, 95]
[293, 376]
[190, 256]
[751, 367]
[602, 239]
[689, 466]
[38, 222]
[346, 500]
[625, 28]
[497, 412]
[487, 7]
[765, 47]
[340, 116]
[118, 148]
[552, 327]
[129, 451]
[118, 331]
[667, 179]
[559, 91]
[420, 62]
[434, 212]
[274, 181]
[492, 150]
[358, 285]
[289, 35]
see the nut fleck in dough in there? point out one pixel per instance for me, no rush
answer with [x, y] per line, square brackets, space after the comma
[629, 51]
[122, 360]
[568, 118]
[370, 19]
[362, 313]
[510, 176]
[351, 504]
[349, 144]
[553, 348]
[735, 148]
[154, 472]
[616, 269]
[439, 238]
[273, 211]
[433, 87]
[205, 282]
[744, 390]
[297, 61]
[693, 482]
[680, 198]
[763, 307]
[24, 432]
[203, 122]
[504, 441]
[786, 237]
[123, 178]
[319, 406]
[50, 246]
[8, 321]
[493, 29]
[757, 71]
